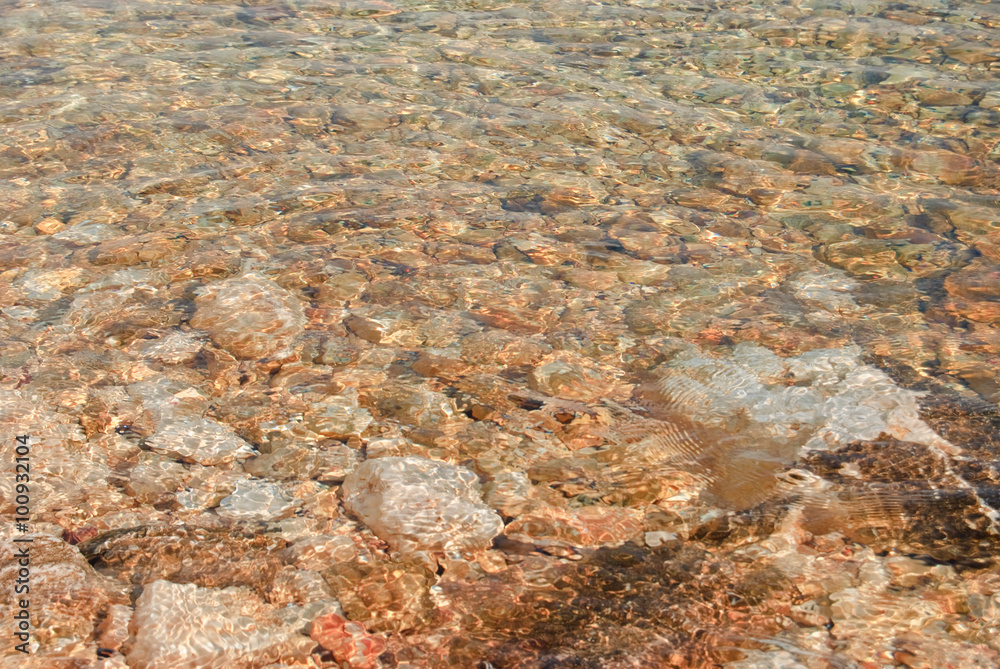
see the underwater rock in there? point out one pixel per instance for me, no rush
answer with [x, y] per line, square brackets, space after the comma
[757, 659]
[320, 552]
[250, 316]
[38, 286]
[69, 487]
[535, 239]
[417, 504]
[189, 627]
[386, 596]
[330, 462]
[893, 495]
[155, 477]
[496, 347]
[865, 258]
[417, 406]
[199, 440]
[820, 399]
[572, 380]
[218, 557]
[349, 642]
[299, 586]
[980, 280]
[975, 292]
[113, 630]
[339, 417]
[441, 363]
[256, 500]
[174, 348]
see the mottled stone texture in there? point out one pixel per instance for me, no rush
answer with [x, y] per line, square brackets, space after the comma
[249, 316]
[188, 627]
[417, 504]
[199, 440]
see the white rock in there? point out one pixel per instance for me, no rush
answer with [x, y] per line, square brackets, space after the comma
[339, 416]
[199, 440]
[826, 289]
[320, 552]
[167, 399]
[173, 349]
[836, 398]
[47, 285]
[654, 539]
[189, 627]
[88, 233]
[255, 500]
[250, 316]
[416, 504]
[196, 500]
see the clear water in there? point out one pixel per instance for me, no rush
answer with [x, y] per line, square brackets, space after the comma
[698, 301]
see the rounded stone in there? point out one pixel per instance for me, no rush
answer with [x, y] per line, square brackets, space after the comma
[416, 504]
[249, 316]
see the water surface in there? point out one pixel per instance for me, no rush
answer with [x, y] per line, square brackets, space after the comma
[698, 301]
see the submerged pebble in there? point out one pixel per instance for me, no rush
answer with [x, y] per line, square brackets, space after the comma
[249, 316]
[185, 626]
[201, 440]
[421, 505]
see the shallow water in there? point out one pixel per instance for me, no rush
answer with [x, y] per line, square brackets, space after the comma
[666, 331]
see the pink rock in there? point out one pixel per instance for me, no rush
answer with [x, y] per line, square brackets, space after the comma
[349, 642]
[249, 316]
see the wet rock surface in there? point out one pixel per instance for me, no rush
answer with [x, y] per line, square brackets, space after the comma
[416, 504]
[187, 626]
[248, 316]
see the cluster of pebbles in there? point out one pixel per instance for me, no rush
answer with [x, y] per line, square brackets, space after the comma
[384, 334]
